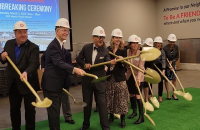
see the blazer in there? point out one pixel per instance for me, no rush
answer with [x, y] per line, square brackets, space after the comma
[119, 69]
[137, 62]
[85, 56]
[68, 60]
[28, 61]
[169, 56]
[161, 60]
[55, 68]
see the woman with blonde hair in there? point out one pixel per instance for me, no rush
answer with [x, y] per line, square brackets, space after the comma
[133, 91]
[116, 89]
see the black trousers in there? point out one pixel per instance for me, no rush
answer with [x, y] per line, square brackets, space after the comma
[88, 89]
[54, 110]
[160, 84]
[15, 99]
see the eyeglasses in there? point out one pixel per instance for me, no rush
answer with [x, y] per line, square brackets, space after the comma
[100, 37]
[65, 30]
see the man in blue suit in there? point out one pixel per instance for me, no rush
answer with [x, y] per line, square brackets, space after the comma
[65, 98]
[55, 70]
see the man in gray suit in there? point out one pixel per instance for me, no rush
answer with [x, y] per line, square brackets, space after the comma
[25, 56]
[94, 53]
[54, 75]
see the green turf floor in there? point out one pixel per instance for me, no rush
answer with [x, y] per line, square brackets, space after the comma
[172, 115]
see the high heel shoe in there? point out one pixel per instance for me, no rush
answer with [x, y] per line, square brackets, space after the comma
[174, 98]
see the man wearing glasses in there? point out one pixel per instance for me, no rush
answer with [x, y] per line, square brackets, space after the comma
[90, 54]
[55, 70]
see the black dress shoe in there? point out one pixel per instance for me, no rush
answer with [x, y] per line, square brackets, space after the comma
[70, 121]
[174, 98]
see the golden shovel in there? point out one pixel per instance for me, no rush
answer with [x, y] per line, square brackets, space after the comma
[180, 93]
[82, 104]
[108, 62]
[41, 104]
[187, 96]
[153, 99]
[150, 75]
[117, 115]
[96, 79]
[149, 53]
[149, 106]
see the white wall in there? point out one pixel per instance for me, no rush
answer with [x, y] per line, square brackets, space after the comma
[182, 30]
[131, 16]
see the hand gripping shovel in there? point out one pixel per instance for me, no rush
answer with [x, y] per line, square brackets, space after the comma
[41, 104]
[180, 93]
[153, 99]
[82, 104]
[187, 96]
[149, 106]
[150, 75]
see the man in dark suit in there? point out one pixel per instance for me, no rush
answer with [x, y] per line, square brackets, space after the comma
[94, 53]
[25, 55]
[55, 69]
[65, 98]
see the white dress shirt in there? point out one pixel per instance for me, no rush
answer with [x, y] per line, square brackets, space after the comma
[94, 54]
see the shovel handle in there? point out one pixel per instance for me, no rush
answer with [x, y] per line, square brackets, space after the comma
[90, 75]
[118, 60]
[150, 88]
[128, 63]
[176, 76]
[25, 81]
[69, 94]
[165, 77]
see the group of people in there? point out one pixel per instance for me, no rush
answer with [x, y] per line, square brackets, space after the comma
[112, 96]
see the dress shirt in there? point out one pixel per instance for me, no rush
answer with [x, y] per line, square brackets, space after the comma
[17, 51]
[94, 53]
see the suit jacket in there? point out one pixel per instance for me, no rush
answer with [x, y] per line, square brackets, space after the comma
[68, 60]
[28, 61]
[55, 68]
[169, 56]
[119, 70]
[85, 56]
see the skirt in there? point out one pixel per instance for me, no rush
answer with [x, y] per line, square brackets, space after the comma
[169, 74]
[132, 87]
[117, 97]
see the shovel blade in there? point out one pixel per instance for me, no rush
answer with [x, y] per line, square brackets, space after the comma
[187, 96]
[43, 104]
[149, 53]
[152, 76]
[155, 102]
[117, 115]
[180, 93]
[149, 118]
[148, 106]
[81, 104]
[100, 79]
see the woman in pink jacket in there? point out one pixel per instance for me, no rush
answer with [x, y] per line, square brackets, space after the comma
[133, 91]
